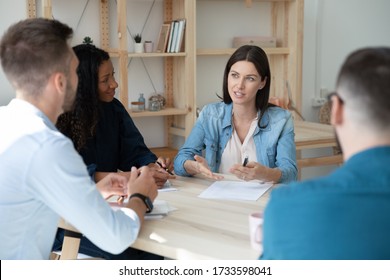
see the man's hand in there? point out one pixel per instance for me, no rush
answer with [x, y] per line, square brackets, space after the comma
[112, 184]
[141, 181]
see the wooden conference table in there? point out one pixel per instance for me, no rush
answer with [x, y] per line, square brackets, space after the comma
[218, 229]
[200, 228]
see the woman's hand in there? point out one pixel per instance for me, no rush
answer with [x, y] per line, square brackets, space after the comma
[166, 164]
[200, 166]
[162, 171]
[255, 171]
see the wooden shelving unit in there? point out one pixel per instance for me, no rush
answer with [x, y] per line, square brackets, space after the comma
[180, 68]
[229, 51]
[286, 58]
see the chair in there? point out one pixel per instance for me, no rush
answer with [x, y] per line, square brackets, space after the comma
[324, 117]
[70, 245]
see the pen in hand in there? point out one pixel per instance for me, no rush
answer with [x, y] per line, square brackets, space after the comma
[245, 161]
[166, 169]
[120, 199]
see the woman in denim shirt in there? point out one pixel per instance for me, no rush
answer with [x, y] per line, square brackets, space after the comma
[243, 125]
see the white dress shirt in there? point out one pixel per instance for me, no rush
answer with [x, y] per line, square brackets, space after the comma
[42, 178]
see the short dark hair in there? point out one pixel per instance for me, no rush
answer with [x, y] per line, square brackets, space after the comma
[364, 80]
[32, 50]
[258, 57]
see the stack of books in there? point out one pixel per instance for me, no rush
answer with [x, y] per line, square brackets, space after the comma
[171, 36]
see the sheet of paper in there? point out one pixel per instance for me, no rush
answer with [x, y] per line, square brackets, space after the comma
[167, 187]
[235, 190]
[161, 208]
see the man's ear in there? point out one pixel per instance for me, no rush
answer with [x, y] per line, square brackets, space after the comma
[60, 82]
[337, 111]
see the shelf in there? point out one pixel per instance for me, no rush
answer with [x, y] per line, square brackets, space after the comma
[230, 51]
[115, 53]
[250, 1]
[163, 112]
[156, 54]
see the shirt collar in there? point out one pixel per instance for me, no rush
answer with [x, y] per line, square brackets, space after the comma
[29, 108]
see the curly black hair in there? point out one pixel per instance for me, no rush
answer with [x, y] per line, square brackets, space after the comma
[80, 123]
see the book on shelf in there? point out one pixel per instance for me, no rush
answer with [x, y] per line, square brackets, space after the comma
[170, 37]
[180, 35]
[175, 35]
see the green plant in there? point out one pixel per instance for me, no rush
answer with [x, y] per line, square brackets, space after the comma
[87, 40]
[137, 38]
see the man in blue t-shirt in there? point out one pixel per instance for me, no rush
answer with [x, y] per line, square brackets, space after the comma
[345, 215]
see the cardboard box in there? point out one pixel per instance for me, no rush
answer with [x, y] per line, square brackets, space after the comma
[260, 41]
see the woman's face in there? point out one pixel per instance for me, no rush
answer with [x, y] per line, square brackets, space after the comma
[243, 82]
[107, 83]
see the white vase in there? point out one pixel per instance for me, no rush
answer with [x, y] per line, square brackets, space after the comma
[138, 48]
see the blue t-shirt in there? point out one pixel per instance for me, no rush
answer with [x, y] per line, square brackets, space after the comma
[345, 215]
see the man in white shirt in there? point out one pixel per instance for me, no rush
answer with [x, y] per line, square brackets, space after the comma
[42, 177]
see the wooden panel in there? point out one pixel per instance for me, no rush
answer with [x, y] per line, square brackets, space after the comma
[123, 58]
[104, 25]
[31, 9]
[47, 9]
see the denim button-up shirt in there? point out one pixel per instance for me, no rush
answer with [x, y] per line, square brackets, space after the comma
[275, 146]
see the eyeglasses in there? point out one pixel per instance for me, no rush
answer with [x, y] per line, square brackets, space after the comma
[335, 94]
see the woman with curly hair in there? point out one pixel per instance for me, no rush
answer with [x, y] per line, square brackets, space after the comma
[99, 125]
[105, 135]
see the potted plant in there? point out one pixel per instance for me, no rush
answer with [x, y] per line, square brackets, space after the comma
[87, 40]
[138, 46]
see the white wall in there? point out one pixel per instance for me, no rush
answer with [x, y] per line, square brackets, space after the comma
[332, 29]
[10, 12]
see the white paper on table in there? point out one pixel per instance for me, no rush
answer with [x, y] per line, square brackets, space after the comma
[235, 190]
[161, 208]
[167, 187]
